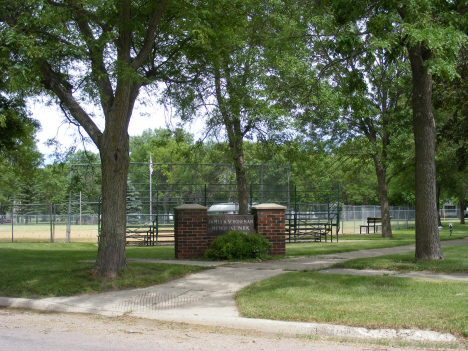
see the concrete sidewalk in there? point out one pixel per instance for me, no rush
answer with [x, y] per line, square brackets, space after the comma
[207, 298]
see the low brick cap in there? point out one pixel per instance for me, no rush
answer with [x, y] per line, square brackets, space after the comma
[268, 207]
[191, 207]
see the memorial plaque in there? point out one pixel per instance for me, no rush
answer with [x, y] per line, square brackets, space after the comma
[221, 224]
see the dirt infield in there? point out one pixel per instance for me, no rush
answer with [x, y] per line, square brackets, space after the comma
[43, 233]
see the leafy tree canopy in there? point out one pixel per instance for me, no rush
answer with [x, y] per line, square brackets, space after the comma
[17, 132]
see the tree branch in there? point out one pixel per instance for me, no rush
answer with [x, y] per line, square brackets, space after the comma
[96, 55]
[53, 82]
[152, 73]
[398, 172]
[91, 15]
[150, 35]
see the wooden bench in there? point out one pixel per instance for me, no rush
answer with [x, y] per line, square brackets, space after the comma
[140, 235]
[372, 222]
[306, 229]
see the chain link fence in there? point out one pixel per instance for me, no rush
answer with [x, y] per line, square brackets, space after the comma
[77, 221]
[354, 216]
[49, 223]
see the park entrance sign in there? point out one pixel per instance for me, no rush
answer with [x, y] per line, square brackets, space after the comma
[221, 224]
[191, 223]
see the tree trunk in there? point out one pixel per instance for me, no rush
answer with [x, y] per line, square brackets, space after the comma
[235, 135]
[461, 206]
[242, 190]
[438, 190]
[237, 150]
[383, 198]
[114, 151]
[427, 234]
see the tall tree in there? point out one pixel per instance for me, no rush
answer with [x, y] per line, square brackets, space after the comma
[426, 48]
[98, 52]
[232, 90]
[371, 94]
[427, 30]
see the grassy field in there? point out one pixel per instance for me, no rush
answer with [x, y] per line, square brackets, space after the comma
[353, 226]
[44, 269]
[349, 243]
[89, 233]
[455, 261]
[372, 302]
[85, 233]
[354, 242]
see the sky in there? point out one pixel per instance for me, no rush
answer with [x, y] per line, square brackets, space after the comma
[53, 126]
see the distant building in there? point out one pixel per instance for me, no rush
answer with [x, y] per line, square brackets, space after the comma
[449, 210]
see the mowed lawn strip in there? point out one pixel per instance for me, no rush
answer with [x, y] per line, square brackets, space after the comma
[156, 252]
[36, 270]
[347, 243]
[371, 302]
[322, 248]
[356, 242]
[361, 301]
[455, 261]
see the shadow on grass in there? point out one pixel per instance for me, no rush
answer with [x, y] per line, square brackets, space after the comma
[41, 269]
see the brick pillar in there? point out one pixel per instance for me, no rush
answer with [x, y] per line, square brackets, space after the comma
[269, 221]
[190, 231]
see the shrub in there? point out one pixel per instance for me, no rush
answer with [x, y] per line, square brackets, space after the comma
[236, 245]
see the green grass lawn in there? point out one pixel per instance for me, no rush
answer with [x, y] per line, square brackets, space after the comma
[355, 242]
[372, 302]
[349, 243]
[42, 269]
[455, 261]
[313, 249]
[159, 252]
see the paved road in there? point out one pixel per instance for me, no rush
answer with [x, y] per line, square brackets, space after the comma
[24, 331]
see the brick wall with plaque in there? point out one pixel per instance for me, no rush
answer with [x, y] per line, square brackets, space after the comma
[194, 229]
[221, 224]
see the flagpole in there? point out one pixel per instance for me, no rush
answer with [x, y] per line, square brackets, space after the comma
[151, 189]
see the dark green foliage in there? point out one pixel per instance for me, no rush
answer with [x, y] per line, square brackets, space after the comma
[451, 98]
[15, 125]
[134, 204]
[236, 245]
[19, 157]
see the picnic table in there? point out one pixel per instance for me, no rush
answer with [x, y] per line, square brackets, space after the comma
[372, 222]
